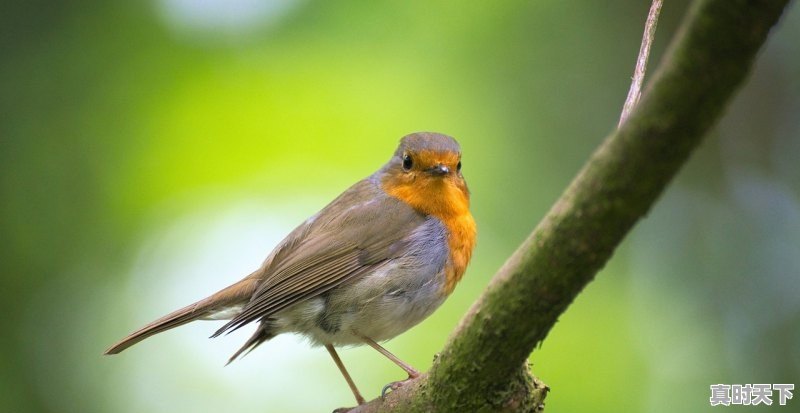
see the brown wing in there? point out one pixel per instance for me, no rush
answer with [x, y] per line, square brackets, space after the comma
[354, 235]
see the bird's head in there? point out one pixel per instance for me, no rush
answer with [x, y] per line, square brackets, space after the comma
[425, 172]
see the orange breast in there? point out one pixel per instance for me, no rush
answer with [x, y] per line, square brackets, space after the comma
[450, 203]
[462, 240]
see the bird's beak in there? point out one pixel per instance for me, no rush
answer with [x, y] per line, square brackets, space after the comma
[438, 170]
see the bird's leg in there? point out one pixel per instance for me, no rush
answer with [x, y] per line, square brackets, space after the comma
[340, 365]
[412, 372]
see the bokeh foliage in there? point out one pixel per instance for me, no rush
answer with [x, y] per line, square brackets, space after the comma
[152, 152]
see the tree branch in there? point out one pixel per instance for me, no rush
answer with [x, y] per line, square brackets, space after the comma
[483, 366]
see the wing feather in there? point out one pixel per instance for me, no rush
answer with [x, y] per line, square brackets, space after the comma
[346, 240]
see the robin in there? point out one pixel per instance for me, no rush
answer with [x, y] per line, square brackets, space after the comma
[373, 263]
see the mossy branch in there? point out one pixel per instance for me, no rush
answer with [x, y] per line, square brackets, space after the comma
[483, 366]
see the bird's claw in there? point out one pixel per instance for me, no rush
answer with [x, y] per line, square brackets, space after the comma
[394, 386]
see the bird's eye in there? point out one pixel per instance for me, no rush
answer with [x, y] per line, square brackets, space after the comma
[458, 167]
[407, 162]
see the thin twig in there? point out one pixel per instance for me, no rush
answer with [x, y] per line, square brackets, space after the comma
[641, 62]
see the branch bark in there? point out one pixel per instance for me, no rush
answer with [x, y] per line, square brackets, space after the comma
[483, 366]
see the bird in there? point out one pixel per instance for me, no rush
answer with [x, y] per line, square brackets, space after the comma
[377, 260]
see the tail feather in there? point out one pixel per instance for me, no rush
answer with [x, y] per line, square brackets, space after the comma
[174, 319]
[263, 333]
[232, 296]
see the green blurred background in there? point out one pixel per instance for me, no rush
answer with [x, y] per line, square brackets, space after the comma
[153, 152]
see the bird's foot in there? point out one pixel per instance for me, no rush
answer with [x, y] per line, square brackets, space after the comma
[395, 385]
